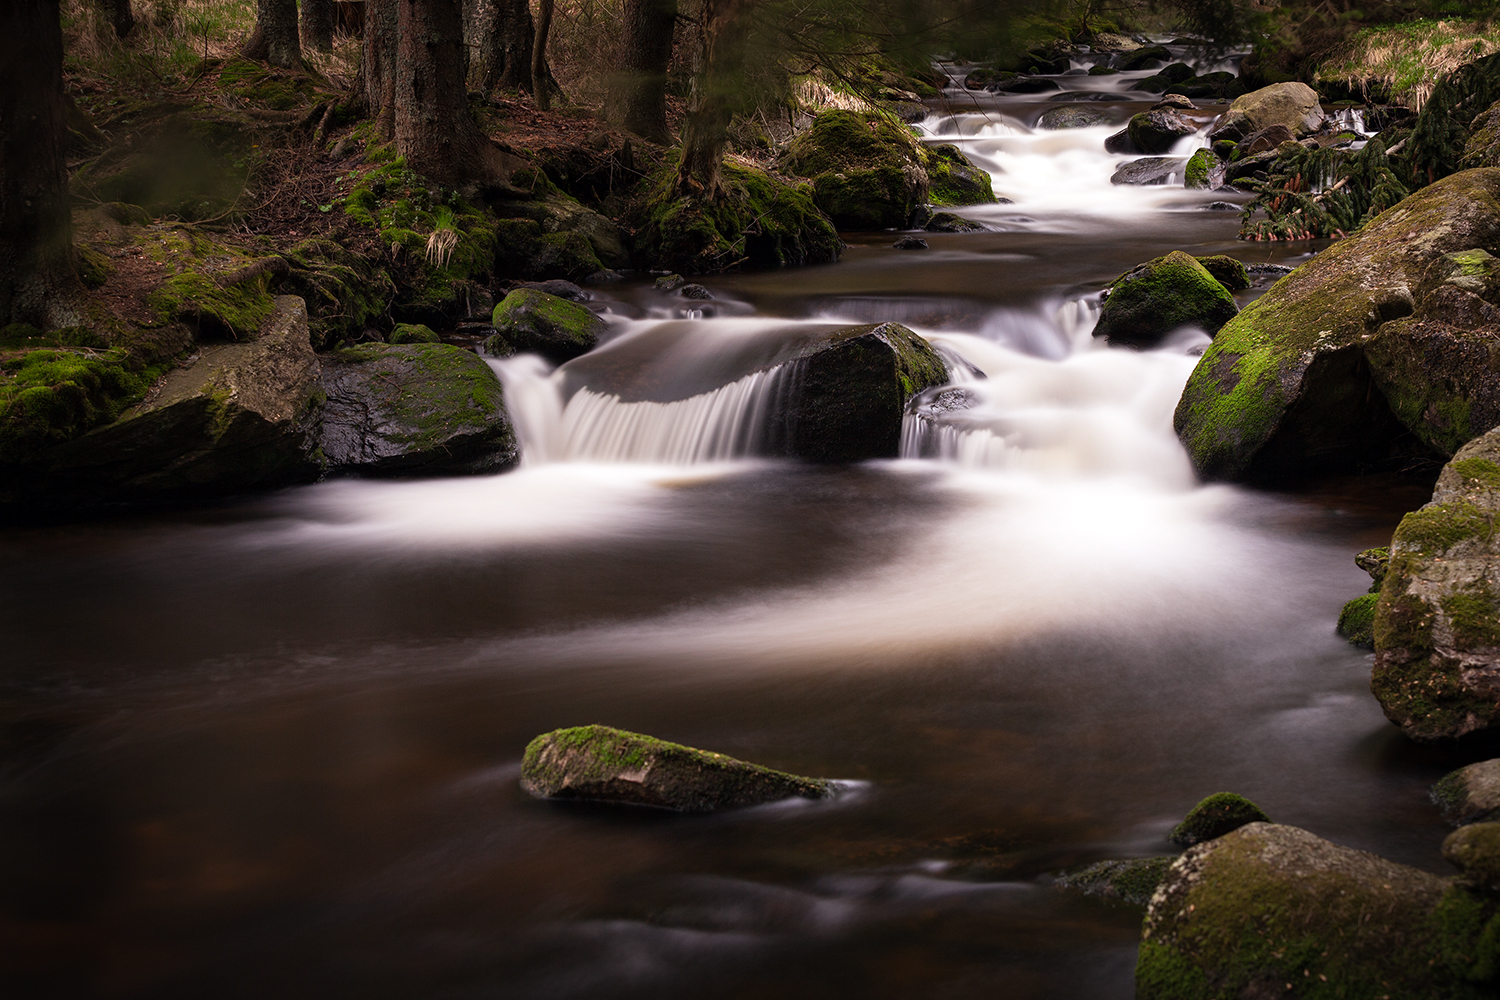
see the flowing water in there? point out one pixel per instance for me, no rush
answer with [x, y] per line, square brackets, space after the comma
[272, 747]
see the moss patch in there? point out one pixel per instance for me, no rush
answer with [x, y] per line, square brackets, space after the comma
[1132, 882]
[1215, 816]
[1161, 295]
[1357, 621]
[50, 396]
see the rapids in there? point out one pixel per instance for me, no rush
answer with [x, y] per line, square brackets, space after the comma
[271, 747]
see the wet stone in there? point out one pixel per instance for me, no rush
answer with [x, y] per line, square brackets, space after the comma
[910, 243]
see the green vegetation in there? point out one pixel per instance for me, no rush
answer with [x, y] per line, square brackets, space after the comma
[1131, 882]
[1357, 621]
[49, 396]
[1215, 816]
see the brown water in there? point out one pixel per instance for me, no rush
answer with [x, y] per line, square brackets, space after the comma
[271, 748]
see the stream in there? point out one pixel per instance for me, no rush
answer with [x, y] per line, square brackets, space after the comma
[271, 747]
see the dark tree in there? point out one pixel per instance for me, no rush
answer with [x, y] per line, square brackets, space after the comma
[274, 39]
[317, 24]
[501, 32]
[638, 99]
[38, 276]
[378, 64]
[120, 17]
[541, 76]
[721, 94]
[435, 130]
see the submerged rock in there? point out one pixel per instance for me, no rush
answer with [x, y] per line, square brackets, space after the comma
[947, 222]
[530, 320]
[1215, 816]
[1073, 116]
[1129, 881]
[1437, 625]
[1157, 297]
[414, 409]
[601, 764]
[1470, 794]
[1294, 105]
[1272, 910]
[910, 243]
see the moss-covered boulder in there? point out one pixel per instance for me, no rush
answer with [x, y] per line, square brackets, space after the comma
[1227, 271]
[1203, 170]
[1470, 794]
[216, 289]
[234, 417]
[1437, 625]
[954, 179]
[556, 212]
[867, 173]
[1272, 910]
[531, 321]
[413, 409]
[1157, 297]
[1131, 881]
[1292, 104]
[601, 764]
[1156, 132]
[760, 219]
[1145, 57]
[1215, 816]
[412, 333]
[1357, 621]
[1475, 850]
[1307, 377]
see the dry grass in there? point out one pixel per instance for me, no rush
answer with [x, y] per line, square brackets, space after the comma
[1402, 63]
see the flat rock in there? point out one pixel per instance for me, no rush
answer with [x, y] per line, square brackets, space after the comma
[1149, 170]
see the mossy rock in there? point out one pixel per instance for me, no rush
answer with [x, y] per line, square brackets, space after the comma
[866, 173]
[1292, 104]
[1141, 58]
[1247, 913]
[1437, 624]
[557, 212]
[218, 290]
[1226, 270]
[1156, 132]
[1074, 116]
[953, 179]
[345, 293]
[529, 320]
[1131, 882]
[412, 333]
[276, 89]
[1289, 386]
[601, 764]
[52, 395]
[1375, 562]
[413, 409]
[1215, 816]
[760, 220]
[1357, 621]
[1157, 297]
[1482, 149]
[1475, 850]
[1470, 794]
[1200, 169]
[524, 250]
[94, 268]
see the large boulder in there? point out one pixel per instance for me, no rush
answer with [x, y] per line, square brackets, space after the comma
[414, 409]
[233, 417]
[556, 212]
[1275, 911]
[601, 764]
[1314, 374]
[1437, 625]
[531, 321]
[1149, 170]
[1470, 794]
[954, 179]
[1292, 104]
[865, 174]
[1156, 132]
[1157, 297]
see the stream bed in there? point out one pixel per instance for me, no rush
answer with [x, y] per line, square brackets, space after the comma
[272, 747]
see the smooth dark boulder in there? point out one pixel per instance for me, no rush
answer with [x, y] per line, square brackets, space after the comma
[1142, 58]
[910, 243]
[1215, 816]
[1155, 132]
[573, 293]
[1120, 142]
[1226, 270]
[414, 409]
[1275, 911]
[947, 222]
[1073, 116]
[1024, 85]
[1161, 295]
[1149, 170]
[530, 321]
[1437, 625]
[601, 764]
[1470, 794]
[1262, 141]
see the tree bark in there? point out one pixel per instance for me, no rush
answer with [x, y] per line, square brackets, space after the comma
[638, 99]
[541, 76]
[378, 64]
[435, 130]
[726, 27]
[317, 24]
[38, 274]
[120, 17]
[504, 44]
[274, 39]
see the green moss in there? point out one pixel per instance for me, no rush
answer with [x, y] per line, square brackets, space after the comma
[529, 313]
[867, 173]
[344, 292]
[1451, 792]
[1357, 621]
[1376, 562]
[1226, 270]
[1215, 816]
[93, 267]
[1436, 528]
[1198, 168]
[48, 396]
[1474, 617]
[1161, 295]
[953, 179]
[1130, 881]
[1478, 473]
[278, 90]
[412, 333]
[423, 390]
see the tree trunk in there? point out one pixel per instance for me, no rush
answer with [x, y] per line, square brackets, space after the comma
[378, 64]
[274, 39]
[38, 274]
[434, 129]
[638, 99]
[317, 24]
[505, 49]
[726, 26]
[541, 76]
[120, 17]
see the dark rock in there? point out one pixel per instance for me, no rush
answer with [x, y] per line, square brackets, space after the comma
[419, 314]
[1073, 116]
[1157, 297]
[953, 179]
[1024, 85]
[1156, 132]
[1174, 101]
[559, 213]
[1085, 95]
[947, 222]
[567, 290]
[1437, 625]
[1121, 142]
[1152, 84]
[908, 111]
[531, 321]
[1102, 71]
[1263, 141]
[866, 175]
[1149, 170]
[1142, 58]
[604, 276]
[1226, 271]
[1222, 206]
[1215, 816]
[412, 333]
[1475, 850]
[981, 79]
[910, 243]
[1214, 85]
[1294, 105]
[669, 282]
[1470, 794]
[1129, 881]
[601, 764]
[694, 292]
[1482, 149]
[415, 409]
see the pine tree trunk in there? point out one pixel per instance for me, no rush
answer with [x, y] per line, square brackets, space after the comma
[638, 99]
[435, 130]
[274, 39]
[317, 24]
[38, 274]
[720, 96]
[378, 64]
[505, 50]
[120, 17]
[541, 76]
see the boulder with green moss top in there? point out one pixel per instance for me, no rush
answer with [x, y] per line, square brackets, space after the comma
[1272, 910]
[1203, 170]
[233, 417]
[1155, 132]
[531, 321]
[1317, 375]
[413, 409]
[1157, 297]
[1437, 626]
[1475, 850]
[52, 392]
[1357, 621]
[601, 764]
[1226, 270]
[759, 219]
[1131, 881]
[412, 333]
[953, 179]
[866, 173]
[1215, 816]
[524, 250]
[1470, 794]
[218, 290]
[557, 212]
[1294, 105]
